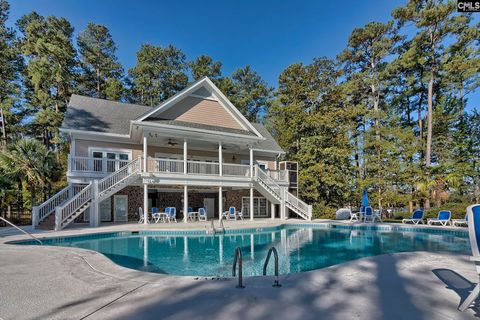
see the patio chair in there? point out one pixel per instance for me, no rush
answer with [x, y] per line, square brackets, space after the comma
[165, 215]
[357, 215]
[190, 214]
[369, 214]
[173, 215]
[460, 222]
[240, 214]
[416, 218]
[202, 214]
[140, 216]
[443, 218]
[473, 215]
[155, 214]
[232, 213]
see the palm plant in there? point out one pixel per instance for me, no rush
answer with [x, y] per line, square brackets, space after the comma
[30, 161]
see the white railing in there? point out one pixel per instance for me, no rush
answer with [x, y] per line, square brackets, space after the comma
[235, 170]
[94, 165]
[203, 168]
[298, 205]
[164, 165]
[42, 211]
[278, 175]
[65, 211]
[123, 173]
[268, 182]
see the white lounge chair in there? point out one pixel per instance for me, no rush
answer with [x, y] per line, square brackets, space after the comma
[230, 214]
[141, 218]
[173, 215]
[460, 222]
[357, 215]
[473, 213]
[443, 218]
[417, 217]
[155, 214]
[240, 214]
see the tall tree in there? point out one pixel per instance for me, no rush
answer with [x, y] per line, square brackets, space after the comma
[98, 61]
[204, 66]
[47, 45]
[250, 93]
[11, 64]
[434, 22]
[158, 74]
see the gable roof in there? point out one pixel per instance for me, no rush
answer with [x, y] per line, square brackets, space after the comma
[193, 89]
[99, 115]
[269, 143]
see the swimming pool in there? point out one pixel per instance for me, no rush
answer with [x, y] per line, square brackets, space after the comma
[300, 247]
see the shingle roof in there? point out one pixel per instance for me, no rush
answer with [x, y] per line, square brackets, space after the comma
[92, 114]
[269, 143]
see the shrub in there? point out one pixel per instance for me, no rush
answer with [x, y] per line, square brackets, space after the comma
[458, 210]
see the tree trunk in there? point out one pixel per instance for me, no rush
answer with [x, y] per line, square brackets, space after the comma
[32, 195]
[428, 152]
[98, 83]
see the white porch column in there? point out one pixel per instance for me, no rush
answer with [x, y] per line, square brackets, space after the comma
[220, 159]
[145, 155]
[251, 203]
[252, 246]
[94, 207]
[272, 210]
[251, 162]
[185, 156]
[283, 208]
[145, 251]
[145, 203]
[220, 203]
[185, 203]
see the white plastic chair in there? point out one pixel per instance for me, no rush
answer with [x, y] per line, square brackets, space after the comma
[141, 218]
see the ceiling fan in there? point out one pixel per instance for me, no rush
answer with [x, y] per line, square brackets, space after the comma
[171, 143]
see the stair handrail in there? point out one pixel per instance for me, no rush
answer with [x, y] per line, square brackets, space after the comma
[299, 204]
[43, 210]
[115, 177]
[27, 233]
[238, 258]
[64, 211]
[276, 283]
[267, 180]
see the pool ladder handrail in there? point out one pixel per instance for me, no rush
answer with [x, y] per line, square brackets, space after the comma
[27, 233]
[276, 283]
[222, 228]
[238, 258]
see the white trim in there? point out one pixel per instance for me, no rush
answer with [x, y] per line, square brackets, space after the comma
[91, 150]
[269, 151]
[95, 133]
[178, 128]
[211, 98]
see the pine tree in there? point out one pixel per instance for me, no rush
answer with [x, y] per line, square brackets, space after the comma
[158, 74]
[204, 66]
[101, 71]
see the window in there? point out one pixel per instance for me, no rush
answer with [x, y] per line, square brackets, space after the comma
[109, 161]
[260, 208]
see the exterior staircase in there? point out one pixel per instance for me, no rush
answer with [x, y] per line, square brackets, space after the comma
[70, 202]
[277, 194]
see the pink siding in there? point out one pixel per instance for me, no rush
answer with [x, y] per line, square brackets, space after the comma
[202, 111]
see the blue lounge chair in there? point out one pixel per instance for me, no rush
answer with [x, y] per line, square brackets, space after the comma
[417, 217]
[173, 214]
[232, 213]
[460, 222]
[473, 213]
[443, 218]
[166, 214]
[155, 214]
[202, 214]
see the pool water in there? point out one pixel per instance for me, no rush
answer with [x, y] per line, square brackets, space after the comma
[299, 249]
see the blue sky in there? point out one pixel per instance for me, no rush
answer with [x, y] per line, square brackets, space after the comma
[269, 35]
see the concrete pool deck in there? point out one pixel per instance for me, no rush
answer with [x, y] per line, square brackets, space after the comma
[70, 283]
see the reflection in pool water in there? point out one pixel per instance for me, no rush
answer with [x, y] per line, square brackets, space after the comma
[299, 249]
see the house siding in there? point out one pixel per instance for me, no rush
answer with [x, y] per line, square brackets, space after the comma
[203, 111]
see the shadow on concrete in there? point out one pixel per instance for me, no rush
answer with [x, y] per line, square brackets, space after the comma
[459, 284]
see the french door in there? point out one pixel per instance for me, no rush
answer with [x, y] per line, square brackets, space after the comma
[109, 161]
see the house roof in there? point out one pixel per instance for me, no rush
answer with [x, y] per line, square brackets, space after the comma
[269, 143]
[99, 115]
[105, 116]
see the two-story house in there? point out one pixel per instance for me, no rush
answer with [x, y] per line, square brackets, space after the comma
[194, 150]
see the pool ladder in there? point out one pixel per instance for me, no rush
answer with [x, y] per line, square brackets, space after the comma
[221, 229]
[237, 259]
